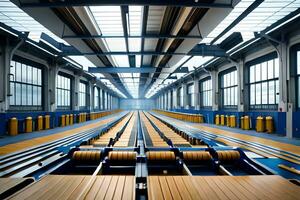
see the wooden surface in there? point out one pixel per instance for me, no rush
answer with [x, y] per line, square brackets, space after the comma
[58, 187]
[8, 183]
[168, 132]
[45, 139]
[125, 137]
[221, 187]
[104, 139]
[156, 140]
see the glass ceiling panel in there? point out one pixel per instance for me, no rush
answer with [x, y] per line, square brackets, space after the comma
[17, 19]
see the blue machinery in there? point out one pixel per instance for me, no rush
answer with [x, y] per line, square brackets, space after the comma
[74, 155]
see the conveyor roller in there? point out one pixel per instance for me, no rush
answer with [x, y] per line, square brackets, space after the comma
[228, 155]
[86, 156]
[196, 156]
[160, 155]
[122, 155]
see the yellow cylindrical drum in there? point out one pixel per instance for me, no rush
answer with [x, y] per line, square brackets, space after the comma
[217, 119]
[71, 119]
[269, 124]
[67, 120]
[201, 119]
[260, 126]
[28, 125]
[247, 123]
[232, 121]
[13, 126]
[242, 123]
[79, 118]
[39, 123]
[222, 120]
[62, 120]
[47, 121]
[228, 120]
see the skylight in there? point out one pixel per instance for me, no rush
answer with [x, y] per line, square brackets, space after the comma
[13, 16]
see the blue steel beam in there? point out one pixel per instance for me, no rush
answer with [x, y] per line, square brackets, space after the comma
[198, 50]
[147, 36]
[178, 3]
[115, 70]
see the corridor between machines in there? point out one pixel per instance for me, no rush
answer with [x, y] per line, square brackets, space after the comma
[149, 99]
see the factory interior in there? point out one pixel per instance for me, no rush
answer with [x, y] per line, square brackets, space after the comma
[150, 99]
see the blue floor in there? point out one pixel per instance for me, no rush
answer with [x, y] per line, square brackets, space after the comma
[27, 136]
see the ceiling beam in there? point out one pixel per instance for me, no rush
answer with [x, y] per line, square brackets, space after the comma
[143, 36]
[115, 70]
[198, 50]
[179, 3]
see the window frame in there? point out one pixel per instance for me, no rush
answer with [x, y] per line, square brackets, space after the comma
[39, 85]
[190, 96]
[260, 61]
[226, 89]
[83, 107]
[294, 73]
[65, 75]
[204, 93]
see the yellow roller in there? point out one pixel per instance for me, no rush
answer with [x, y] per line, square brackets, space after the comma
[86, 156]
[228, 155]
[122, 155]
[160, 155]
[196, 155]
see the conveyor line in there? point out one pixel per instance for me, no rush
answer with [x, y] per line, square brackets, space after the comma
[127, 138]
[26, 162]
[112, 133]
[252, 146]
[154, 137]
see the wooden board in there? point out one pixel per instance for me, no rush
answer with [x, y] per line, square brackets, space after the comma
[70, 187]
[10, 185]
[221, 187]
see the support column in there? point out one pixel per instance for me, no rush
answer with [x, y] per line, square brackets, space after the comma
[215, 90]
[75, 94]
[175, 98]
[241, 84]
[185, 97]
[52, 75]
[196, 94]
[4, 83]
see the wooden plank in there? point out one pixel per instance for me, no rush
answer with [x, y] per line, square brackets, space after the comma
[200, 183]
[192, 190]
[173, 188]
[37, 187]
[92, 193]
[182, 188]
[129, 188]
[112, 187]
[224, 188]
[119, 188]
[156, 188]
[104, 187]
[165, 188]
[233, 189]
[262, 194]
[279, 191]
[215, 187]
